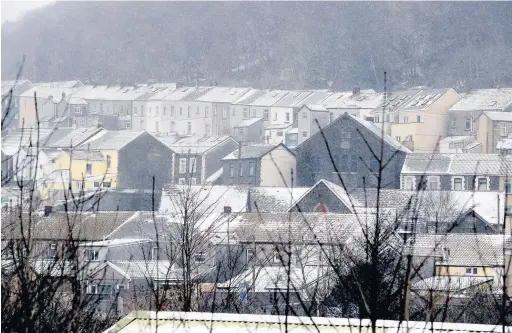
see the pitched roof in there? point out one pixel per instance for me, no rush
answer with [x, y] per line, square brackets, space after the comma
[85, 155]
[77, 137]
[254, 151]
[54, 89]
[250, 97]
[17, 86]
[468, 250]
[292, 99]
[410, 100]
[337, 190]
[112, 140]
[365, 99]
[269, 98]
[198, 144]
[484, 99]
[499, 116]
[457, 164]
[247, 122]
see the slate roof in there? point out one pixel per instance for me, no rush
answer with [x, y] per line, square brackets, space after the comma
[315, 107]
[198, 144]
[247, 122]
[269, 98]
[86, 155]
[292, 99]
[499, 116]
[53, 89]
[146, 226]
[148, 269]
[112, 140]
[308, 228]
[76, 137]
[315, 98]
[112, 93]
[457, 164]
[61, 225]
[250, 97]
[22, 138]
[466, 250]
[365, 99]
[484, 99]
[17, 86]
[250, 151]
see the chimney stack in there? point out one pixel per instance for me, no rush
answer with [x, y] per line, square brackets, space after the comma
[356, 90]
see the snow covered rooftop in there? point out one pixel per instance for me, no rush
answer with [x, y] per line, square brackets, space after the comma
[484, 100]
[499, 116]
[269, 98]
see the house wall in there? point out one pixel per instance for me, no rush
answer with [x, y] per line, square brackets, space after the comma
[321, 194]
[142, 159]
[139, 121]
[461, 270]
[276, 168]
[213, 158]
[278, 115]
[315, 163]
[306, 122]
[187, 175]
[460, 122]
[246, 178]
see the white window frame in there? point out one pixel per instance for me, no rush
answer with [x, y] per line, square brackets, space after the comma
[304, 134]
[249, 254]
[193, 181]
[462, 183]
[183, 165]
[466, 124]
[265, 114]
[405, 180]
[437, 180]
[87, 172]
[251, 168]
[127, 124]
[92, 289]
[398, 138]
[488, 181]
[503, 130]
[275, 257]
[406, 119]
[192, 165]
[246, 113]
[154, 253]
[507, 183]
[287, 117]
[181, 181]
[241, 171]
[231, 170]
[224, 113]
[95, 255]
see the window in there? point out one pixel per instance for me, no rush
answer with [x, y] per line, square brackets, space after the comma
[279, 133]
[193, 181]
[135, 111]
[127, 124]
[181, 181]
[305, 115]
[374, 166]
[398, 138]
[406, 119]
[109, 161]
[188, 111]
[249, 254]
[408, 183]
[107, 184]
[418, 119]
[91, 255]
[157, 126]
[503, 130]
[78, 110]
[165, 110]
[81, 185]
[345, 135]
[192, 165]
[251, 168]
[265, 114]
[453, 123]
[142, 110]
[224, 113]
[88, 169]
[246, 113]
[157, 110]
[233, 112]
[206, 111]
[241, 169]
[471, 270]
[181, 111]
[276, 257]
[287, 117]
[154, 253]
[183, 165]
[92, 289]
[433, 182]
[56, 111]
[101, 108]
[458, 184]
[482, 184]
[200, 257]
[508, 186]
[189, 127]
[172, 110]
[142, 125]
[304, 134]
[52, 250]
[353, 163]
[275, 116]
[207, 129]
[468, 124]
[231, 170]
[149, 109]
[104, 289]
[96, 184]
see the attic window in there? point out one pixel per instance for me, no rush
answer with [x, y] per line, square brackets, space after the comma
[493, 103]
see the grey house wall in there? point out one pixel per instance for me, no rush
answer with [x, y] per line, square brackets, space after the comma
[246, 178]
[321, 194]
[140, 160]
[214, 157]
[314, 163]
[251, 133]
[460, 122]
[187, 175]
[494, 135]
